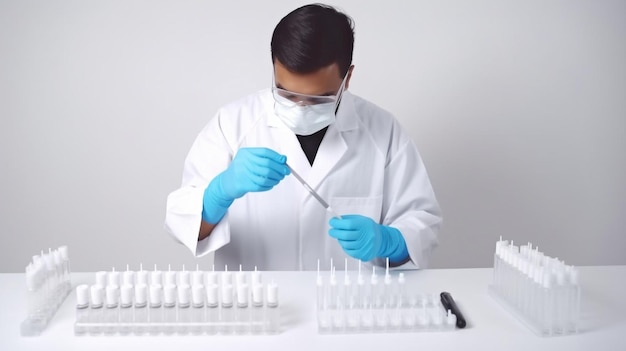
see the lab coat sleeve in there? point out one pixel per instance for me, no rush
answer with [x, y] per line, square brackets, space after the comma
[209, 155]
[409, 203]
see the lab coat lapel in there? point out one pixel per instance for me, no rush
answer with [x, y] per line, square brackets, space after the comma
[333, 146]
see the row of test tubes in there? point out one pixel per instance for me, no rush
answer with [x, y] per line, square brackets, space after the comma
[177, 302]
[48, 283]
[542, 291]
[372, 306]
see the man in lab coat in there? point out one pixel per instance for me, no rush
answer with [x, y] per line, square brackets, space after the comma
[240, 200]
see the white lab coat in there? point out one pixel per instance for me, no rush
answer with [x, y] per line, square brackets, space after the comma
[366, 164]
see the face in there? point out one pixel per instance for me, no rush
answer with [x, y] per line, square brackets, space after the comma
[323, 82]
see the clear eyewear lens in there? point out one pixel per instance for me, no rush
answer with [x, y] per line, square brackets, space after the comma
[289, 98]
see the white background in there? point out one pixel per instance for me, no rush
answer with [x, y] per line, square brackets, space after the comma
[517, 107]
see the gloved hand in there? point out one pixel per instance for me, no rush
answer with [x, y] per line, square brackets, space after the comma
[362, 238]
[252, 170]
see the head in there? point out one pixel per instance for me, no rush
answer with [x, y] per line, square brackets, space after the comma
[312, 50]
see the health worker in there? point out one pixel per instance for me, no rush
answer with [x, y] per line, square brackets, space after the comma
[239, 200]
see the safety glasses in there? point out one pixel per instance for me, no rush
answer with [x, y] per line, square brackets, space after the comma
[291, 99]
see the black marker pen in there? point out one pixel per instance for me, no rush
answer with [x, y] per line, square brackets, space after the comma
[448, 303]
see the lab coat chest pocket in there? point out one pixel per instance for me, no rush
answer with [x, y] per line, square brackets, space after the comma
[366, 206]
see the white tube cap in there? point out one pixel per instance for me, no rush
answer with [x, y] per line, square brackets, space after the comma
[97, 295]
[257, 294]
[112, 295]
[169, 294]
[82, 295]
[141, 294]
[227, 294]
[212, 294]
[243, 294]
[156, 290]
[197, 294]
[184, 292]
[126, 294]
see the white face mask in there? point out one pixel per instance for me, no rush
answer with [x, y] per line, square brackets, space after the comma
[306, 114]
[305, 119]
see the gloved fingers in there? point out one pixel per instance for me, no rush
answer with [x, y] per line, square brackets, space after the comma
[345, 235]
[349, 222]
[267, 165]
[350, 244]
[263, 183]
[262, 158]
[265, 173]
[264, 152]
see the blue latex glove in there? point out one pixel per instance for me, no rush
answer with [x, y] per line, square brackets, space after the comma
[362, 238]
[252, 170]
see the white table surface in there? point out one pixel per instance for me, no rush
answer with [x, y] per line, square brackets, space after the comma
[603, 325]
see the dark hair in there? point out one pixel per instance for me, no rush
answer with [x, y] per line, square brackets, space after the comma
[312, 37]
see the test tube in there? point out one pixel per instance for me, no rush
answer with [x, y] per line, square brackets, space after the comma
[111, 312]
[63, 250]
[258, 312]
[126, 309]
[574, 301]
[334, 309]
[141, 309]
[226, 310]
[82, 309]
[379, 306]
[273, 314]
[184, 312]
[323, 323]
[169, 309]
[197, 307]
[243, 312]
[156, 312]
[96, 316]
[212, 310]
[547, 304]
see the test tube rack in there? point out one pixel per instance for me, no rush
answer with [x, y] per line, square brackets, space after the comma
[48, 283]
[177, 303]
[541, 291]
[359, 305]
